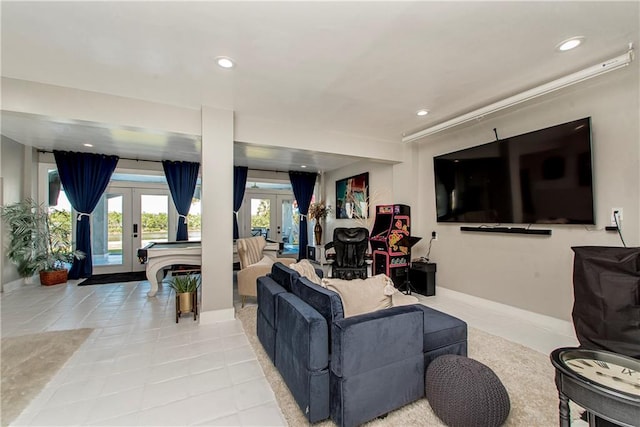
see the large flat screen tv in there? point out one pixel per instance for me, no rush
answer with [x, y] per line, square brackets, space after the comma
[541, 177]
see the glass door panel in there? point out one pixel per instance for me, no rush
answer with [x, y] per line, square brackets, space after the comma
[125, 220]
[273, 216]
[154, 218]
[262, 216]
[194, 221]
[61, 216]
[115, 229]
[111, 244]
[289, 225]
[107, 231]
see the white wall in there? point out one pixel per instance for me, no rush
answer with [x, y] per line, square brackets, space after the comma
[75, 104]
[11, 171]
[533, 272]
[293, 135]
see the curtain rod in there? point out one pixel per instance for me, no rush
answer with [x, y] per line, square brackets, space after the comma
[121, 158]
[160, 161]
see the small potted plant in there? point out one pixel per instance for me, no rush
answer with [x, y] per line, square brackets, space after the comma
[186, 288]
[38, 244]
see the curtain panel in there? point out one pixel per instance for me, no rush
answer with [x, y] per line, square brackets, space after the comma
[84, 177]
[182, 178]
[239, 185]
[303, 184]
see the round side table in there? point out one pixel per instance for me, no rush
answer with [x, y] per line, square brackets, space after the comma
[606, 384]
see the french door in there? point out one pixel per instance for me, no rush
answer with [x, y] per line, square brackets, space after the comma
[273, 216]
[126, 219]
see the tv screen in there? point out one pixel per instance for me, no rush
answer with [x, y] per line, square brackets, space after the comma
[541, 177]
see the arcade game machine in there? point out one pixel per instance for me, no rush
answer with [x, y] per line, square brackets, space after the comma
[390, 242]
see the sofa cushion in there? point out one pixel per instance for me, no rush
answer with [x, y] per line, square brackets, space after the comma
[284, 275]
[299, 323]
[267, 335]
[302, 355]
[305, 269]
[325, 301]
[267, 289]
[441, 329]
[362, 296]
[398, 299]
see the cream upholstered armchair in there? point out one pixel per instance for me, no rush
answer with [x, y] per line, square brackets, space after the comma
[253, 264]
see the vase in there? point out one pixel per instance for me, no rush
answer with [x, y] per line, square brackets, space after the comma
[317, 231]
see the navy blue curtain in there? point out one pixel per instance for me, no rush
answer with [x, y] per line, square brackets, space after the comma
[84, 177]
[239, 184]
[303, 184]
[182, 178]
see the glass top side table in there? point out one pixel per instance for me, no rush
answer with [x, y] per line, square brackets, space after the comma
[606, 384]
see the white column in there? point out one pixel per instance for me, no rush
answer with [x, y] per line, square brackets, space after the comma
[217, 211]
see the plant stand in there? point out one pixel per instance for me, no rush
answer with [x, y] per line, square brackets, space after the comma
[187, 303]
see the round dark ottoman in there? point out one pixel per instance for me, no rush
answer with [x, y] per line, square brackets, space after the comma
[463, 392]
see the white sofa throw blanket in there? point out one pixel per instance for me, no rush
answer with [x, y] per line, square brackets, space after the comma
[364, 296]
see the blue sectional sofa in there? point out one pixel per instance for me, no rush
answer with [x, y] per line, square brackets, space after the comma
[350, 369]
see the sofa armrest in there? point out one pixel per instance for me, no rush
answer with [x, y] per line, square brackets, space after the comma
[286, 261]
[373, 340]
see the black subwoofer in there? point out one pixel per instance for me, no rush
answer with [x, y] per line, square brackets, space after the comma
[423, 278]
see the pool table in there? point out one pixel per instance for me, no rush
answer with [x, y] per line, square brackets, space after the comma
[158, 255]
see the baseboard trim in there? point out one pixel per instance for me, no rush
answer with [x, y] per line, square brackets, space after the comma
[16, 284]
[549, 323]
[215, 316]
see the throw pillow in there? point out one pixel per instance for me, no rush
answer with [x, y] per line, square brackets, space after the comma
[306, 269]
[362, 296]
[399, 299]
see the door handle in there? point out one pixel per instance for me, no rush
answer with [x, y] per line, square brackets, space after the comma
[135, 230]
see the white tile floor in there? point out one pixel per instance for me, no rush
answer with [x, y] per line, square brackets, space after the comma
[139, 367]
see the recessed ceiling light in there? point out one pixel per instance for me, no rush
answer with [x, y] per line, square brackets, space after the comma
[88, 145]
[569, 44]
[303, 166]
[225, 62]
[422, 112]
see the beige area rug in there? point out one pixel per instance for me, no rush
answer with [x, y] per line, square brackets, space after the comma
[28, 364]
[527, 375]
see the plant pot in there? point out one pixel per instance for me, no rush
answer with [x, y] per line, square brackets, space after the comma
[186, 302]
[53, 277]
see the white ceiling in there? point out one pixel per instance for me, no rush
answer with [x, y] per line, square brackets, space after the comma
[360, 68]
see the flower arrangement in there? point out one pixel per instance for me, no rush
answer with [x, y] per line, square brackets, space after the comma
[319, 211]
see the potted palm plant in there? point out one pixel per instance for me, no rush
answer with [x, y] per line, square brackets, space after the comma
[38, 244]
[186, 288]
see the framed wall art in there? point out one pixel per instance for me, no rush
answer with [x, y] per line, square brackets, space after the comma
[352, 197]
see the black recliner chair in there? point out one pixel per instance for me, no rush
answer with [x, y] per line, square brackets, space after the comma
[351, 246]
